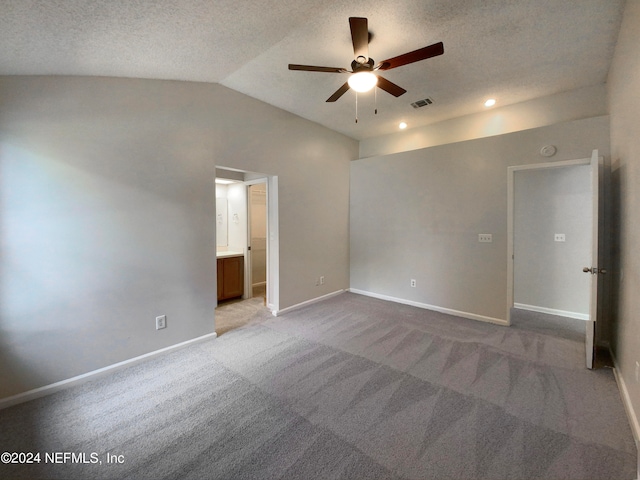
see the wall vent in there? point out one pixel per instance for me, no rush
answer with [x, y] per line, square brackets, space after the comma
[422, 103]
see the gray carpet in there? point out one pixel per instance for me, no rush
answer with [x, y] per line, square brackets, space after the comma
[349, 388]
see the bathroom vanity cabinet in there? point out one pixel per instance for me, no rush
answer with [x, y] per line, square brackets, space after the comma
[230, 277]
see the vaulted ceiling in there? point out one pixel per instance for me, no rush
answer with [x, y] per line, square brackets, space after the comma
[511, 50]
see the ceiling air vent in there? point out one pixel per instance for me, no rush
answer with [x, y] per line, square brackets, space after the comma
[422, 103]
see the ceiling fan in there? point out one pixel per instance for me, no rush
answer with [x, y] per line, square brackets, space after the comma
[363, 78]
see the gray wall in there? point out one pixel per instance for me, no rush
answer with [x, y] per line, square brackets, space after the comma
[312, 166]
[624, 85]
[586, 102]
[548, 274]
[108, 219]
[418, 214]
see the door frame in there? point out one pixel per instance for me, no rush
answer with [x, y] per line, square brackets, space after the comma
[511, 171]
[273, 236]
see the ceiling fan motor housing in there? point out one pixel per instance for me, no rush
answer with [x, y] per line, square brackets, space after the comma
[357, 67]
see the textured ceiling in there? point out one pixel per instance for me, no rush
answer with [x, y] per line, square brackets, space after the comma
[513, 50]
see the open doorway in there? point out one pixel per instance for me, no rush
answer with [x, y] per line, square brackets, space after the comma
[246, 210]
[553, 230]
[552, 240]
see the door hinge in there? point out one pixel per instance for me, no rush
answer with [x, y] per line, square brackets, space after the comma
[595, 270]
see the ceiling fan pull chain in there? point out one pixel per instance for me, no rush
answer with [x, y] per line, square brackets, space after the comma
[375, 99]
[356, 107]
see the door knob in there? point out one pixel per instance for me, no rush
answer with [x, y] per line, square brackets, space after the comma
[587, 270]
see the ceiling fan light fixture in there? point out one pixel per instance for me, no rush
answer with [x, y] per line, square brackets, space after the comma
[362, 81]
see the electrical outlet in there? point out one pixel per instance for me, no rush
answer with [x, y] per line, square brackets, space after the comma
[485, 237]
[322, 280]
[161, 322]
[413, 282]
[559, 237]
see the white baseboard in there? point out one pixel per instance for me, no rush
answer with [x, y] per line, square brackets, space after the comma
[449, 311]
[628, 406]
[552, 311]
[259, 284]
[308, 302]
[85, 377]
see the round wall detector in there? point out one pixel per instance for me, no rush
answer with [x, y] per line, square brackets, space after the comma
[548, 151]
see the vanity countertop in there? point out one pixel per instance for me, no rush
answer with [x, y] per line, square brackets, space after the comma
[230, 253]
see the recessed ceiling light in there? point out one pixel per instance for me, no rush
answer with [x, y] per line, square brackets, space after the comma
[221, 181]
[490, 103]
[402, 126]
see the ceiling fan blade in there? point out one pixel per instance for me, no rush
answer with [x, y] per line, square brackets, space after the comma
[390, 87]
[311, 68]
[411, 57]
[360, 37]
[341, 91]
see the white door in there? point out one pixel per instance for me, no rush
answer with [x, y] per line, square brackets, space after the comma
[257, 236]
[248, 280]
[594, 269]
